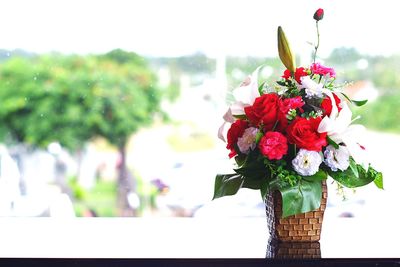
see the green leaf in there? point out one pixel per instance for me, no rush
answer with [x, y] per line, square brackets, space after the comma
[227, 185]
[348, 178]
[332, 143]
[304, 197]
[353, 167]
[319, 176]
[259, 135]
[358, 103]
[379, 180]
[264, 190]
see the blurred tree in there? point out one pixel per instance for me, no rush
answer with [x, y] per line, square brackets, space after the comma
[71, 99]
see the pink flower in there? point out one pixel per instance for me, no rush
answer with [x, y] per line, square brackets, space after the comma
[317, 68]
[273, 145]
[290, 103]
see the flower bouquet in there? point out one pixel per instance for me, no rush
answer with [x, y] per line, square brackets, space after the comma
[290, 137]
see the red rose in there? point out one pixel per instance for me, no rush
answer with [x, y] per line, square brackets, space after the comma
[264, 110]
[290, 103]
[319, 14]
[304, 133]
[300, 72]
[273, 145]
[237, 129]
[326, 104]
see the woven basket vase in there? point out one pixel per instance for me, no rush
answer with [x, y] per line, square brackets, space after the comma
[304, 227]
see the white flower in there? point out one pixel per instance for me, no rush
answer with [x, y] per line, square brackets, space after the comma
[244, 96]
[248, 140]
[312, 88]
[307, 162]
[337, 158]
[339, 129]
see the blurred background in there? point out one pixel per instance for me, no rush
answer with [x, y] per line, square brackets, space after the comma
[111, 108]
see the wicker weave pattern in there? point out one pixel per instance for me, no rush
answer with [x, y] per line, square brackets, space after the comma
[293, 250]
[305, 227]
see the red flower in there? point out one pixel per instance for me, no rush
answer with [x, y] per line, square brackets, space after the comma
[273, 145]
[304, 133]
[237, 129]
[319, 14]
[286, 74]
[300, 72]
[326, 104]
[264, 110]
[317, 68]
[290, 103]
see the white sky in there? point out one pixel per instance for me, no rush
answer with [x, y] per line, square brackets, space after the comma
[176, 27]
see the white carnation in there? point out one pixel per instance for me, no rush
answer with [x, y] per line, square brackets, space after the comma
[337, 158]
[307, 162]
[312, 88]
[248, 140]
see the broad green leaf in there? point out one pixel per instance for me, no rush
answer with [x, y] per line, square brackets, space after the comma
[348, 178]
[353, 167]
[227, 185]
[304, 197]
[319, 176]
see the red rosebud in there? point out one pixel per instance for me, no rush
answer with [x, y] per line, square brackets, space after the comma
[319, 14]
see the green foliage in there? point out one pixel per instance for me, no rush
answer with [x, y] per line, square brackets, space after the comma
[304, 197]
[357, 176]
[101, 198]
[71, 99]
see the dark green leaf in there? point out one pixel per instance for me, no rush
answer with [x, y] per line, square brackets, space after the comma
[227, 185]
[358, 103]
[264, 190]
[304, 197]
[348, 178]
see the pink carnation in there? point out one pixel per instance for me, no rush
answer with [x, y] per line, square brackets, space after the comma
[273, 145]
[317, 68]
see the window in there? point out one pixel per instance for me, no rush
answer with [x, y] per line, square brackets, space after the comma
[111, 108]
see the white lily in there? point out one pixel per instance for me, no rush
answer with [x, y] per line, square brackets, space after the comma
[244, 96]
[339, 128]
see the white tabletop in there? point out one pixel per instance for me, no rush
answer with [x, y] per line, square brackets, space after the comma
[182, 238]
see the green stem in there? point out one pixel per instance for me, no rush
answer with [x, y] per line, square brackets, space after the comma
[316, 47]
